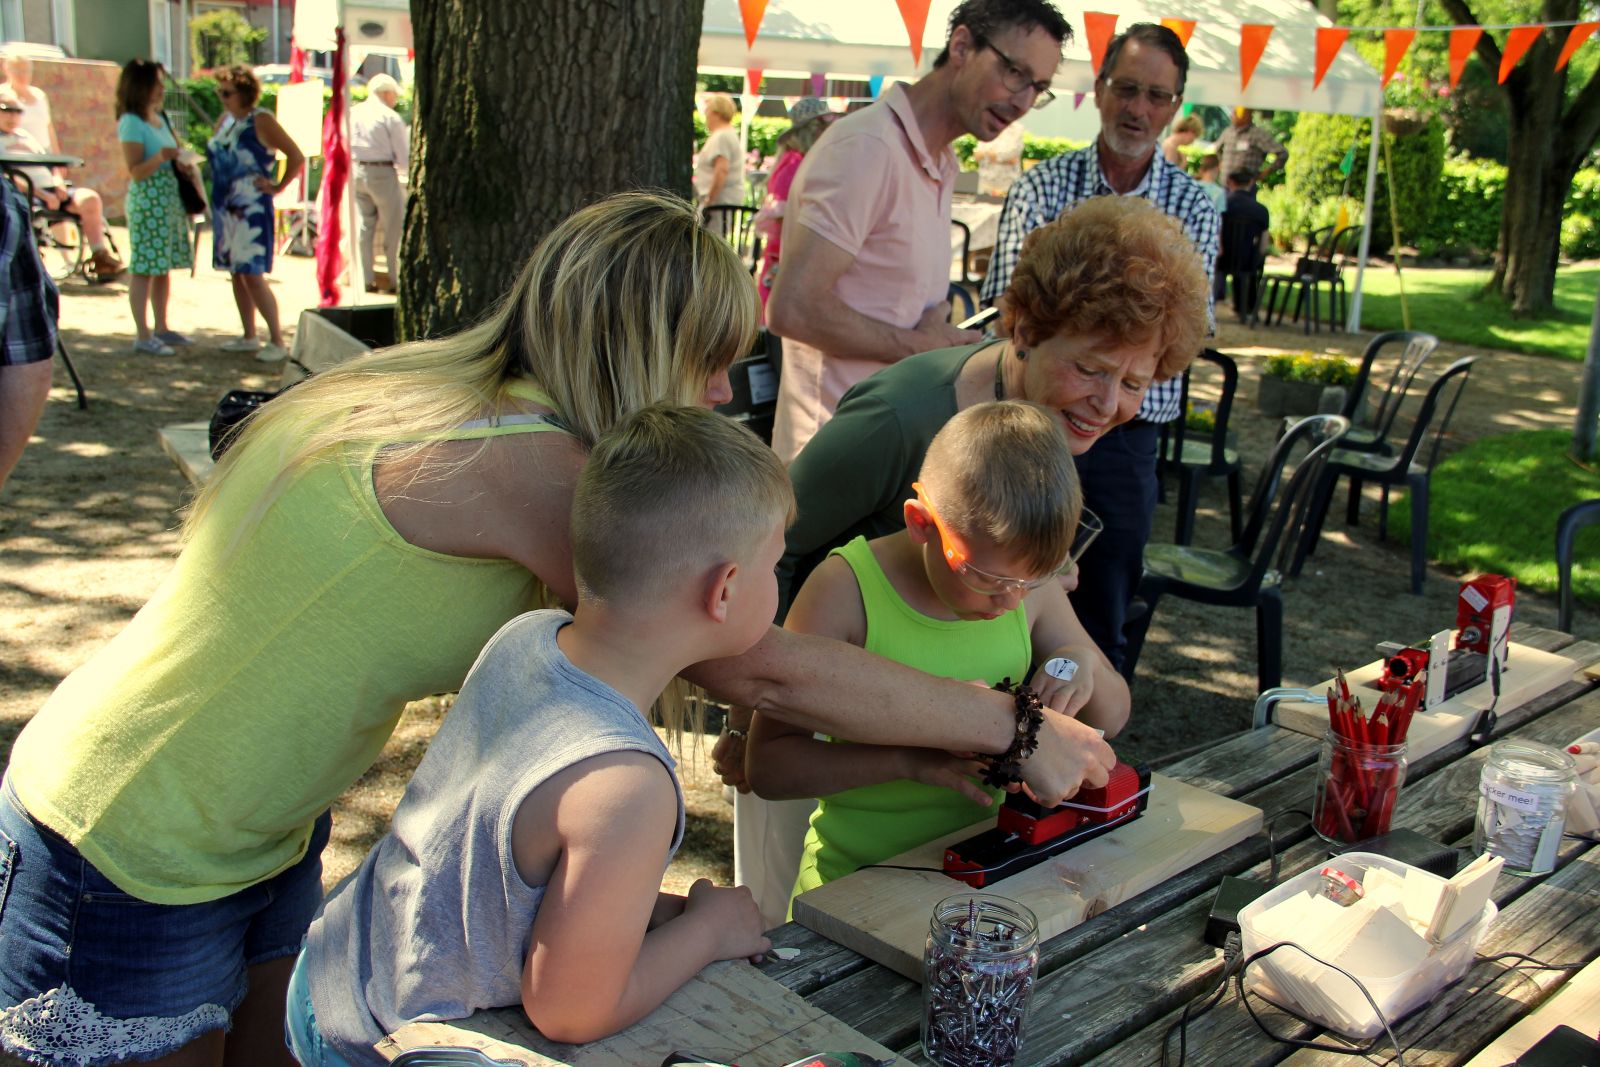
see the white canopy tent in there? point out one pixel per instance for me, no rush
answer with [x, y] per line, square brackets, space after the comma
[867, 38]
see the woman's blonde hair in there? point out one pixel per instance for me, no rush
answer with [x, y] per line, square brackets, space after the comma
[721, 104]
[1189, 124]
[628, 302]
[1116, 268]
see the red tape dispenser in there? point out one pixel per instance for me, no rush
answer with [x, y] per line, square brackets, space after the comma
[1027, 834]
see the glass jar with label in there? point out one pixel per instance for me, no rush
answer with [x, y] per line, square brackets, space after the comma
[1522, 804]
[978, 973]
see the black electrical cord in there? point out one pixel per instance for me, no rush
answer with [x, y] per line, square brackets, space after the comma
[1272, 841]
[1343, 1050]
[1212, 997]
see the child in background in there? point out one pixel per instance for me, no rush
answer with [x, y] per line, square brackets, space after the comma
[967, 590]
[1210, 171]
[525, 859]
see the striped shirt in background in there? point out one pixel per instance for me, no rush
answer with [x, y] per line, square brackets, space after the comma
[1047, 190]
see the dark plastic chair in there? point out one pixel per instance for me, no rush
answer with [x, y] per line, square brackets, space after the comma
[1329, 253]
[965, 232]
[1251, 572]
[963, 305]
[1318, 247]
[735, 223]
[1241, 263]
[754, 379]
[1572, 520]
[1372, 435]
[1412, 467]
[1195, 459]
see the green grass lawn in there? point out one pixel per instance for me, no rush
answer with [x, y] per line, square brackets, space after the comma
[1494, 509]
[1442, 302]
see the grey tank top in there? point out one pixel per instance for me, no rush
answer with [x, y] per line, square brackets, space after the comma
[436, 922]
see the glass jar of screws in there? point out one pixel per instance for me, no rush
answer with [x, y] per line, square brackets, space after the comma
[1522, 804]
[978, 972]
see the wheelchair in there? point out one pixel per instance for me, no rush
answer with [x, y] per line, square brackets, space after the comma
[63, 248]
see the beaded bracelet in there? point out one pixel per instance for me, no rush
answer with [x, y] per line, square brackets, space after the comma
[1006, 768]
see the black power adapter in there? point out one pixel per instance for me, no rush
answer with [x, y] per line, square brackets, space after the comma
[1408, 846]
[1233, 895]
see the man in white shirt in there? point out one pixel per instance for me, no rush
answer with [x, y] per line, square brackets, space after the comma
[380, 151]
[53, 193]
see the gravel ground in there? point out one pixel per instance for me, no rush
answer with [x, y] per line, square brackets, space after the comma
[88, 528]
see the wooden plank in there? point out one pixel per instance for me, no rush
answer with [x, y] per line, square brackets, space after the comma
[1576, 1004]
[729, 1012]
[1530, 672]
[883, 914]
[189, 445]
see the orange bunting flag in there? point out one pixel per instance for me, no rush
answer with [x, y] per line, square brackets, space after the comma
[1518, 41]
[915, 14]
[751, 12]
[752, 78]
[1329, 40]
[1580, 33]
[1462, 42]
[1395, 43]
[1184, 28]
[1098, 27]
[1252, 42]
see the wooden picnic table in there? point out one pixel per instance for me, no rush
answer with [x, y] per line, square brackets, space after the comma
[1111, 987]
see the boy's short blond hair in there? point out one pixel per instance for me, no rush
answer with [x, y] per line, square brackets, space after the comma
[1003, 469]
[668, 492]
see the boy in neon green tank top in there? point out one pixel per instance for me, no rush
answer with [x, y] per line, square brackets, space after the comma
[968, 590]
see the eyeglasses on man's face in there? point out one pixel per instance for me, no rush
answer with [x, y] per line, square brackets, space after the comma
[1124, 89]
[1017, 78]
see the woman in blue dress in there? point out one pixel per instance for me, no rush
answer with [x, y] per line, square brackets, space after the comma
[244, 156]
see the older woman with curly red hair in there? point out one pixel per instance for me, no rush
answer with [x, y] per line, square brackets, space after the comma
[1105, 300]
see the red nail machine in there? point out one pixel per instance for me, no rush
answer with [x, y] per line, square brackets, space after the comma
[1027, 833]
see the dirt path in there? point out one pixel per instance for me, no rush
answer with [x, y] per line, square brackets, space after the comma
[88, 529]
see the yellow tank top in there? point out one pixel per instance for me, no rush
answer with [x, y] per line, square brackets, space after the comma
[189, 757]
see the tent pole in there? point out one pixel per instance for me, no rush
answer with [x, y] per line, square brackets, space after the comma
[358, 269]
[1354, 323]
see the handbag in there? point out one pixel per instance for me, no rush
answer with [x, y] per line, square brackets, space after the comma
[236, 407]
[193, 199]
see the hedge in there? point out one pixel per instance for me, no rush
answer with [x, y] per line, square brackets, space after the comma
[1314, 179]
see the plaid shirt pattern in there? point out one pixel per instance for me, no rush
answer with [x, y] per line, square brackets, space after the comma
[1047, 190]
[29, 303]
[1248, 148]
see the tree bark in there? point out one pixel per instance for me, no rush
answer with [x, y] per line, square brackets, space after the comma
[525, 112]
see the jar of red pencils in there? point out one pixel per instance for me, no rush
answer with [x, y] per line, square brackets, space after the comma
[978, 973]
[1357, 784]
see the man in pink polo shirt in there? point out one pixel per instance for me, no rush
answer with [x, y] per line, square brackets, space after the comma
[866, 251]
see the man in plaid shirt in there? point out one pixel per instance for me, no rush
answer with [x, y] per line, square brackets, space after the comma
[29, 308]
[1138, 92]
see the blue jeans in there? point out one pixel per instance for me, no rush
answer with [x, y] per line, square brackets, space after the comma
[300, 1024]
[82, 961]
[1119, 486]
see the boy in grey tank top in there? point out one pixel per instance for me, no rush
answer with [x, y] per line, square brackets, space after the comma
[524, 862]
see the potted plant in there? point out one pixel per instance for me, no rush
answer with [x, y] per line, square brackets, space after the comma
[1303, 383]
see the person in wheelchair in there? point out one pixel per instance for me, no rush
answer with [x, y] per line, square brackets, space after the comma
[56, 195]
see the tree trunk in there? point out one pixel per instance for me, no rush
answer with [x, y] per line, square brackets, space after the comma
[1537, 180]
[525, 112]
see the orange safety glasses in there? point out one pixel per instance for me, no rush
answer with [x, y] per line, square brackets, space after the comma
[975, 579]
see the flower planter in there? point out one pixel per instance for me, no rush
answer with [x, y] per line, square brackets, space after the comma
[1278, 397]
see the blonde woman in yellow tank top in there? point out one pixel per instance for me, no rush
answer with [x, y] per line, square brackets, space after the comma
[162, 816]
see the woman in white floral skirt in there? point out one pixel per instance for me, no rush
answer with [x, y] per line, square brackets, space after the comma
[244, 156]
[158, 229]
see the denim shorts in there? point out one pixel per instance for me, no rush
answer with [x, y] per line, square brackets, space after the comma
[90, 974]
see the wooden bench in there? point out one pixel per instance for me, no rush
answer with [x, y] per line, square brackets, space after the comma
[318, 345]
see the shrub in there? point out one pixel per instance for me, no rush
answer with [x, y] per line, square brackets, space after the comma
[1201, 419]
[1320, 143]
[1307, 367]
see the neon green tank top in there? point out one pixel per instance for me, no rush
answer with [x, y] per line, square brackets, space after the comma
[875, 823]
[189, 757]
